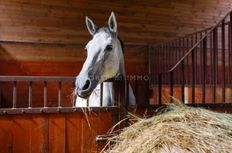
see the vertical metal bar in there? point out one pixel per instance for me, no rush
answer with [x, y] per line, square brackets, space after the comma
[223, 61]
[101, 94]
[162, 52]
[171, 86]
[164, 55]
[204, 68]
[201, 60]
[59, 93]
[176, 76]
[161, 61]
[30, 95]
[230, 47]
[187, 60]
[182, 44]
[154, 64]
[180, 56]
[127, 93]
[206, 58]
[193, 75]
[217, 51]
[149, 65]
[136, 89]
[215, 47]
[14, 94]
[45, 93]
[176, 52]
[152, 52]
[183, 82]
[229, 52]
[211, 57]
[196, 63]
[189, 68]
[173, 53]
[158, 60]
[160, 88]
[169, 55]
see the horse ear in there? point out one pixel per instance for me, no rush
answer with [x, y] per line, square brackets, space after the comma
[90, 26]
[112, 23]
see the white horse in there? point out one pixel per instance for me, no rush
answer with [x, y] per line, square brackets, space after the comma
[105, 60]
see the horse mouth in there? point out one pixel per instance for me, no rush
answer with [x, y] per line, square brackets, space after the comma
[84, 96]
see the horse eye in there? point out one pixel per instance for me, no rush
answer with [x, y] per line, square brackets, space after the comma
[109, 47]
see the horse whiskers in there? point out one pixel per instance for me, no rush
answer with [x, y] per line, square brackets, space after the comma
[72, 96]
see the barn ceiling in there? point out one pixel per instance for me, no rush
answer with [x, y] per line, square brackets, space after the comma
[146, 21]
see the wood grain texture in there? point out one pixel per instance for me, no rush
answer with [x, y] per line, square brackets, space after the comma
[138, 21]
[54, 133]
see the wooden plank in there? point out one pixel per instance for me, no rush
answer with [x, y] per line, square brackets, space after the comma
[74, 133]
[21, 134]
[57, 134]
[6, 135]
[38, 134]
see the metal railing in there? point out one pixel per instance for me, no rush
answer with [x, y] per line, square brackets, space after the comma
[197, 68]
[45, 108]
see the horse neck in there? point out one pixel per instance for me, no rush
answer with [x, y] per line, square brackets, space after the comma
[122, 63]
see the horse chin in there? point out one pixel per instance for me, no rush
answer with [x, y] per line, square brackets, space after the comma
[84, 96]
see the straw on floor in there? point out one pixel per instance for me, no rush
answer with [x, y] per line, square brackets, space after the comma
[178, 129]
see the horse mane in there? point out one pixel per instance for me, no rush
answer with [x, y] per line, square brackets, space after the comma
[122, 44]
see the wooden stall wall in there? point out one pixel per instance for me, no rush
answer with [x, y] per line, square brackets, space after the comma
[54, 133]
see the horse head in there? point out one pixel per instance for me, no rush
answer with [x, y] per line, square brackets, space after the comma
[104, 57]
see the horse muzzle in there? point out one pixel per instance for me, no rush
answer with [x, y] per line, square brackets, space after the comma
[84, 87]
[83, 95]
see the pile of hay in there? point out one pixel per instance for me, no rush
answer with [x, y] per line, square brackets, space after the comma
[178, 129]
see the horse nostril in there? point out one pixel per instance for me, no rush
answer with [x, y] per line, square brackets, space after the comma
[87, 85]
